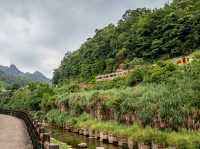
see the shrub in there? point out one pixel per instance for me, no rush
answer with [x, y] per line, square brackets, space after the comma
[135, 62]
[137, 75]
[55, 116]
[161, 72]
[39, 115]
[196, 54]
[105, 85]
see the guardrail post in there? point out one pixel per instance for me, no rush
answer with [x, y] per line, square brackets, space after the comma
[45, 138]
[41, 130]
[29, 123]
[40, 139]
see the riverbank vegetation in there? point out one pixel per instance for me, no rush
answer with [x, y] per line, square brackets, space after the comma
[161, 108]
[61, 144]
[181, 139]
[165, 96]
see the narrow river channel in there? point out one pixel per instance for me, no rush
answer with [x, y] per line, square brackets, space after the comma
[74, 139]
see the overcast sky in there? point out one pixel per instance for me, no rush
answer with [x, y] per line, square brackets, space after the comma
[35, 34]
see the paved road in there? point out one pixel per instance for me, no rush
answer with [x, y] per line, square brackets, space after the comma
[13, 133]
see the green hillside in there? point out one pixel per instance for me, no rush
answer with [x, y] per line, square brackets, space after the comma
[171, 31]
[156, 103]
[13, 76]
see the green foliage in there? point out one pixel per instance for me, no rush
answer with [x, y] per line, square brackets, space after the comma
[165, 89]
[38, 115]
[168, 93]
[35, 96]
[137, 75]
[61, 144]
[47, 102]
[69, 87]
[104, 85]
[135, 62]
[161, 71]
[196, 54]
[21, 100]
[56, 117]
[141, 34]
[182, 139]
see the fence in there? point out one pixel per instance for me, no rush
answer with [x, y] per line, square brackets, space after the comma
[34, 135]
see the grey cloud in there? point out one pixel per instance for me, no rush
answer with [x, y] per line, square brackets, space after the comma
[34, 34]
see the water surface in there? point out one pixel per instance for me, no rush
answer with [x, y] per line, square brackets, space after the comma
[74, 139]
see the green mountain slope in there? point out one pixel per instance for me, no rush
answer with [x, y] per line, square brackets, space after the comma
[171, 31]
[12, 75]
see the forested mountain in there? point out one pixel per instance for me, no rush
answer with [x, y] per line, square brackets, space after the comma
[12, 75]
[167, 32]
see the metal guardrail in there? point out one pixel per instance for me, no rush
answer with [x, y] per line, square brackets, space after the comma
[35, 138]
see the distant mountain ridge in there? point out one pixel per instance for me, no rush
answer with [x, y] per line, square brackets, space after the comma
[12, 75]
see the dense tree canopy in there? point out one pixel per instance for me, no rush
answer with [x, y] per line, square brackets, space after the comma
[142, 33]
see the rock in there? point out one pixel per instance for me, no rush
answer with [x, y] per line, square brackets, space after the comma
[66, 127]
[103, 136]
[158, 146]
[53, 146]
[97, 135]
[112, 138]
[100, 148]
[172, 147]
[80, 131]
[122, 141]
[144, 146]
[75, 130]
[91, 133]
[85, 132]
[91, 138]
[82, 145]
[70, 147]
[132, 144]
[70, 128]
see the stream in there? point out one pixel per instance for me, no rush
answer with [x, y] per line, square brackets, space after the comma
[74, 139]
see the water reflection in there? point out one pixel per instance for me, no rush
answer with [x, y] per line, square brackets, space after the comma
[74, 139]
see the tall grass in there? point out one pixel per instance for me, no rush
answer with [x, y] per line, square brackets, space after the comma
[182, 139]
[173, 101]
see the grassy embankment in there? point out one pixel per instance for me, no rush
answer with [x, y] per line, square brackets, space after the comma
[156, 101]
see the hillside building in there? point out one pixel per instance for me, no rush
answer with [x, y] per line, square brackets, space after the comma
[183, 60]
